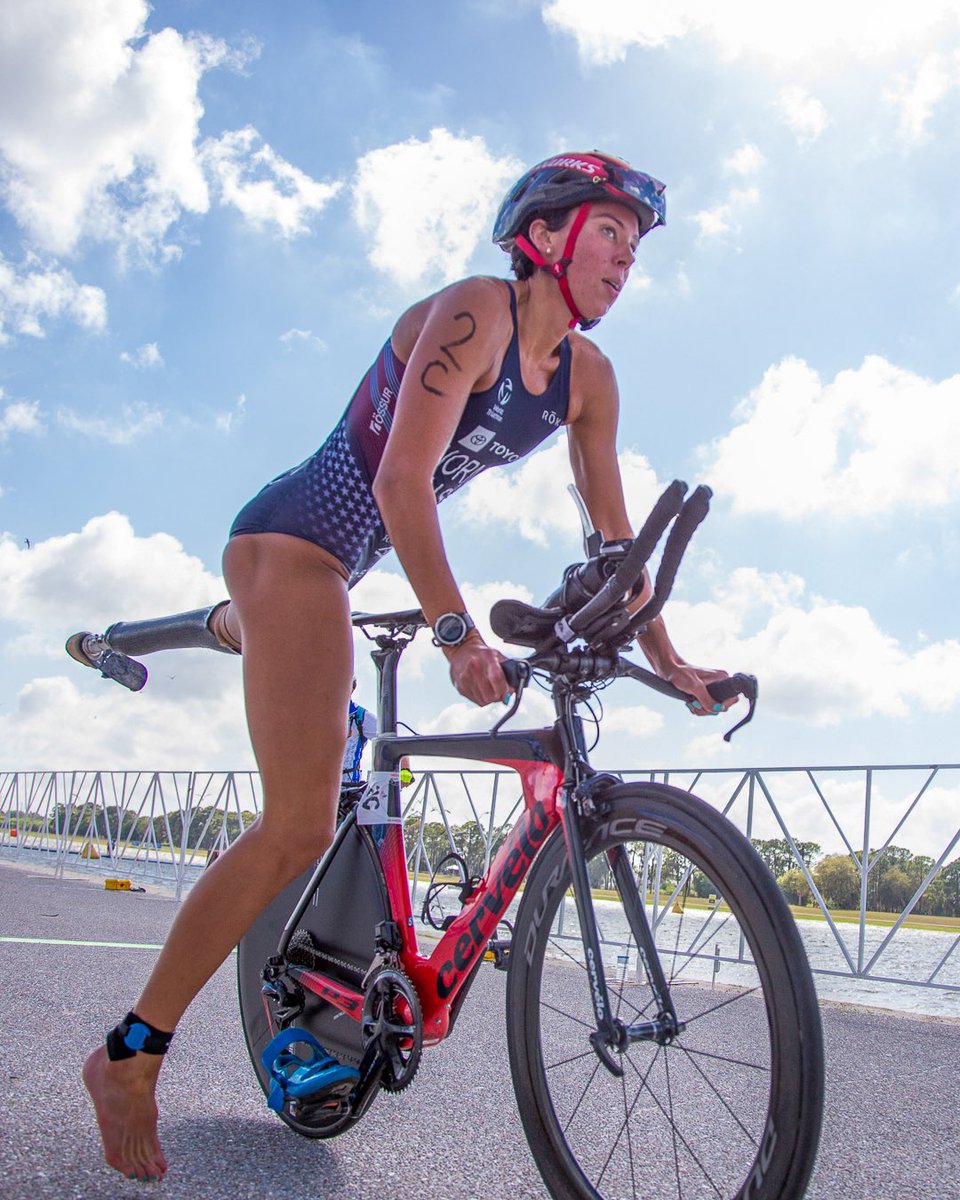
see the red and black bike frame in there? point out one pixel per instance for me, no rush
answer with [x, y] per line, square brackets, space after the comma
[556, 780]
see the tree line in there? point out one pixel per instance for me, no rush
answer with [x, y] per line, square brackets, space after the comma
[892, 881]
[121, 827]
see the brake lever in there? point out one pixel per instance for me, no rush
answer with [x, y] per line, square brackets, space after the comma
[517, 673]
[737, 685]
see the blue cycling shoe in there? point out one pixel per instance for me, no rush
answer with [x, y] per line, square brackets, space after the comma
[295, 1078]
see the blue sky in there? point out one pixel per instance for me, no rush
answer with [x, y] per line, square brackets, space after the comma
[210, 215]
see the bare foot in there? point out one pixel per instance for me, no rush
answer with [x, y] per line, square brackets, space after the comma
[123, 1097]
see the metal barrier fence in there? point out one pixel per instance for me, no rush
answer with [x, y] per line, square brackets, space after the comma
[162, 827]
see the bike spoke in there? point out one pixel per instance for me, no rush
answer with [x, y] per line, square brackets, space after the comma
[562, 1012]
[724, 1058]
[716, 1091]
[677, 1135]
[709, 1012]
[565, 1062]
[586, 1087]
[628, 1112]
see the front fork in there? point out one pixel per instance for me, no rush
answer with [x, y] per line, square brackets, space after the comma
[612, 1036]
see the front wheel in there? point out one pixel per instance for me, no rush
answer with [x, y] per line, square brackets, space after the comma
[731, 1107]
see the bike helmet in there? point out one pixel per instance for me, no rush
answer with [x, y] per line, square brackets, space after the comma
[563, 182]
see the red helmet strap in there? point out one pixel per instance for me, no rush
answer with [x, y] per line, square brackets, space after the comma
[559, 269]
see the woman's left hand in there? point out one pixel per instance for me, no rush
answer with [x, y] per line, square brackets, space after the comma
[694, 681]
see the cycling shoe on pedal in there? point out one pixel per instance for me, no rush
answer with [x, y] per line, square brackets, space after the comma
[316, 1078]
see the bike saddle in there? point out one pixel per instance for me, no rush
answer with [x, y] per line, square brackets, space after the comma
[523, 624]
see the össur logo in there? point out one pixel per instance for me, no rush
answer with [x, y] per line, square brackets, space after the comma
[505, 392]
[523, 847]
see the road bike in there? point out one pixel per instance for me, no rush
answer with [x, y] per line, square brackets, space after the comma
[662, 1025]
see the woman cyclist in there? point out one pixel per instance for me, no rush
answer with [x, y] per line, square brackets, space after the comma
[478, 373]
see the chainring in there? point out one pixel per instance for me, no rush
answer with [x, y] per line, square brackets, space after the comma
[393, 1018]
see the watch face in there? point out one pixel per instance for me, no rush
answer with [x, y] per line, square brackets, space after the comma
[450, 629]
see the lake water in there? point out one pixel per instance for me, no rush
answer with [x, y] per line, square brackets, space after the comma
[912, 954]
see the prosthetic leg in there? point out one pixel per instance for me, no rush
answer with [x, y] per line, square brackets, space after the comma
[111, 652]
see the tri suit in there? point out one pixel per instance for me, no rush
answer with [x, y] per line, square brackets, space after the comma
[328, 498]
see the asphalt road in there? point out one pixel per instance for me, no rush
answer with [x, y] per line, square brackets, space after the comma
[892, 1127]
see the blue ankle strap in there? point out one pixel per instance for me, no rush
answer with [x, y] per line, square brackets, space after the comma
[133, 1034]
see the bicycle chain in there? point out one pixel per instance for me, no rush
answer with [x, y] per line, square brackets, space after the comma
[315, 952]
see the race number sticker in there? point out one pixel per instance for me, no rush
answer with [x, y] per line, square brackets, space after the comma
[380, 803]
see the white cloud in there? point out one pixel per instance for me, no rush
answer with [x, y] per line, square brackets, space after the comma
[34, 295]
[820, 661]
[724, 220]
[632, 720]
[145, 357]
[462, 717]
[481, 597]
[873, 440]
[265, 188]
[917, 96]
[804, 114]
[103, 573]
[134, 421]
[20, 416]
[427, 204]
[101, 123]
[383, 590]
[226, 422]
[532, 499]
[747, 160]
[606, 30]
[302, 337]
[189, 717]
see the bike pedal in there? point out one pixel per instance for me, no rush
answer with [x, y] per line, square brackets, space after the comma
[499, 954]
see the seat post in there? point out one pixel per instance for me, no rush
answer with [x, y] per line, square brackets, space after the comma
[386, 659]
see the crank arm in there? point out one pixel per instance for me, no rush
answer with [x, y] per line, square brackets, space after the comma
[372, 1066]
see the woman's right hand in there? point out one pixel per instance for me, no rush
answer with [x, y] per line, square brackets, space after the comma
[476, 672]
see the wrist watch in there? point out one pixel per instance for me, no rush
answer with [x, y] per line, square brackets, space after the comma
[450, 629]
